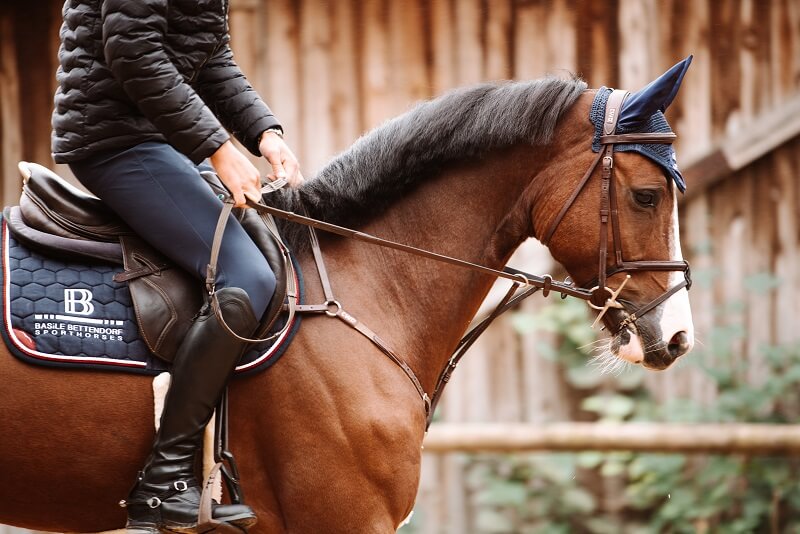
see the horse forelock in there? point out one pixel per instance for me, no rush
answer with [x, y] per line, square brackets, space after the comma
[462, 125]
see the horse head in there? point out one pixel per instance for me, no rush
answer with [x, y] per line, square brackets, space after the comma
[624, 212]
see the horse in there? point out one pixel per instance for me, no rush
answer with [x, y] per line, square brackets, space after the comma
[329, 438]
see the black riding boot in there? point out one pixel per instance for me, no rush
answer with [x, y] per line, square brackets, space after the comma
[167, 494]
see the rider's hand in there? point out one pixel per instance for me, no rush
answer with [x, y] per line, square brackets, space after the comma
[284, 163]
[237, 173]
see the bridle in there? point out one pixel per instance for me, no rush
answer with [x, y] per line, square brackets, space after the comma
[599, 296]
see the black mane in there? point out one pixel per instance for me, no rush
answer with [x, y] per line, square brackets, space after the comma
[386, 163]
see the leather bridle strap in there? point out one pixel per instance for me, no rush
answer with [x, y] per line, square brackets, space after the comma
[600, 296]
[549, 234]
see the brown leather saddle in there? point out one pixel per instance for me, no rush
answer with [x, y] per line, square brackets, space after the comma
[56, 219]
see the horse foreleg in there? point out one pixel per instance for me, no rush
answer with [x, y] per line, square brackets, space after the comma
[329, 449]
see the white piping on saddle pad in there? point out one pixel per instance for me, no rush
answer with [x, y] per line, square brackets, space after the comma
[160, 387]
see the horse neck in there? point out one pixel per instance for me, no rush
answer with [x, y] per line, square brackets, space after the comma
[424, 306]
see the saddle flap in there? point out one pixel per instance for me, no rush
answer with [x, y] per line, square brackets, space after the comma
[52, 205]
[165, 298]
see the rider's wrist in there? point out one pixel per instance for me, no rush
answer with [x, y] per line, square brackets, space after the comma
[277, 130]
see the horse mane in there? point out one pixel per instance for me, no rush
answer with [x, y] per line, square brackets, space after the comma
[386, 163]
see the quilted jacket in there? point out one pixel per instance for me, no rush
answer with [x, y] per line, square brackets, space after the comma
[143, 70]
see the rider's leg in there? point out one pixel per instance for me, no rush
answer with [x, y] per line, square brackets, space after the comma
[160, 194]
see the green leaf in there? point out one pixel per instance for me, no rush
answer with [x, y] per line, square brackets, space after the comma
[584, 377]
[492, 521]
[612, 469]
[557, 468]
[590, 459]
[504, 493]
[609, 407]
[603, 525]
[578, 500]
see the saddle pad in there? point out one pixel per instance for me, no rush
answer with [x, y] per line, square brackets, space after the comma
[73, 314]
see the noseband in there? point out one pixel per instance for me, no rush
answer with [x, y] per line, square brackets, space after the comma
[600, 296]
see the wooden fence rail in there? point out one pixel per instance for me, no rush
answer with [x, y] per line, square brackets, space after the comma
[733, 438]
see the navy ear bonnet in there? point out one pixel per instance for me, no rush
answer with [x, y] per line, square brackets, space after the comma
[643, 111]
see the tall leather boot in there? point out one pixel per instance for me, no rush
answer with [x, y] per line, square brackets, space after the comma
[166, 496]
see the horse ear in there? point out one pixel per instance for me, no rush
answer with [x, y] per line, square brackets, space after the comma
[656, 96]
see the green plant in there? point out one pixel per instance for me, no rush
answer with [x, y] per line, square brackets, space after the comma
[660, 493]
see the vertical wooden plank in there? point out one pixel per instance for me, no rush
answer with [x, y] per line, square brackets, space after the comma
[10, 110]
[755, 190]
[409, 74]
[530, 60]
[429, 510]
[280, 73]
[376, 67]
[639, 41]
[344, 76]
[598, 42]
[787, 260]
[54, 40]
[498, 40]
[561, 38]
[791, 45]
[245, 37]
[690, 114]
[37, 62]
[696, 246]
[316, 77]
[545, 39]
[503, 357]
[725, 74]
[443, 46]
[469, 41]
[246, 46]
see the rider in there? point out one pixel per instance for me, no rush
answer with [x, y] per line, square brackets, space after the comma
[148, 90]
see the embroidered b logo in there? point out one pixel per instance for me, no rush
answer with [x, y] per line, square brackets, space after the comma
[78, 301]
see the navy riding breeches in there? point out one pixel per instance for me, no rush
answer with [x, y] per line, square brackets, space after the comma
[160, 194]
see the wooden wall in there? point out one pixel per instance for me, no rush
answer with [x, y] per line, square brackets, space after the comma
[333, 69]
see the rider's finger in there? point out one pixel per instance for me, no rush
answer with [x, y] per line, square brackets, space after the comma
[238, 199]
[274, 159]
[297, 180]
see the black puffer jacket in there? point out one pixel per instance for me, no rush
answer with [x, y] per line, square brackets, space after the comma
[143, 70]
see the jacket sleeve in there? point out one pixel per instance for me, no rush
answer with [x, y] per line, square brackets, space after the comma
[225, 89]
[133, 44]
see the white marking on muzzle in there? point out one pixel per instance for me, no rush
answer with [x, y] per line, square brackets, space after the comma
[633, 351]
[676, 313]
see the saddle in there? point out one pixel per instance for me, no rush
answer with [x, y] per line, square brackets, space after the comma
[56, 219]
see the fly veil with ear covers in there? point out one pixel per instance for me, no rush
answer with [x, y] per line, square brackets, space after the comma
[641, 112]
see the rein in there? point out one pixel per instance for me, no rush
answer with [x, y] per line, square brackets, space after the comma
[599, 296]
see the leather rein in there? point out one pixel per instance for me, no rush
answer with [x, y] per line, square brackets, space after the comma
[599, 296]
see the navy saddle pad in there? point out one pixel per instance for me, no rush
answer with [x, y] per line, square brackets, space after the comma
[73, 314]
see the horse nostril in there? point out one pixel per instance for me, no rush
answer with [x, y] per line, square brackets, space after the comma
[678, 345]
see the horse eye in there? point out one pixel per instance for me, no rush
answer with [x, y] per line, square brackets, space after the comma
[646, 198]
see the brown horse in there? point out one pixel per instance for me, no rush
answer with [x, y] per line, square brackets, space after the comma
[328, 440]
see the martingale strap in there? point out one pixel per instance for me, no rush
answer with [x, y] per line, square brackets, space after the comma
[333, 308]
